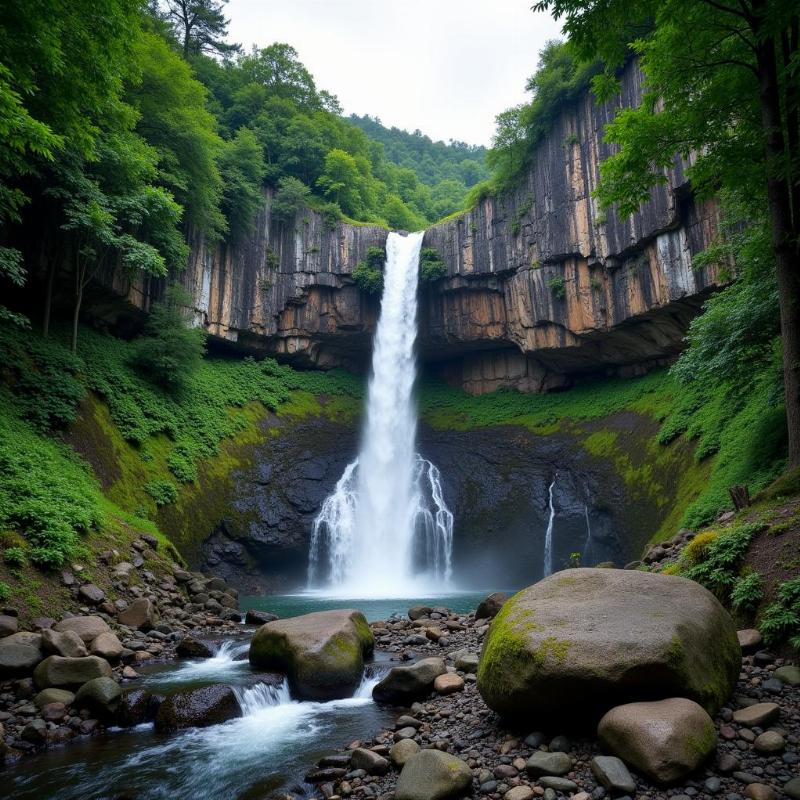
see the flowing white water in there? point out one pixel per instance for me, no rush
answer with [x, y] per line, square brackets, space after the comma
[229, 657]
[547, 568]
[587, 545]
[386, 529]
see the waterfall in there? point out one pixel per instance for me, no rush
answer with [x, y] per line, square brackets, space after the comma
[547, 568]
[386, 529]
[587, 545]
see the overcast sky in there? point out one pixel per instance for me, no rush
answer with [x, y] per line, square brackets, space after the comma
[447, 67]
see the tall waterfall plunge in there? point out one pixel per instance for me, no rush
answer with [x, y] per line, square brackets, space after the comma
[386, 529]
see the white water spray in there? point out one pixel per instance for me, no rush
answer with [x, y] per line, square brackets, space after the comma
[547, 568]
[386, 529]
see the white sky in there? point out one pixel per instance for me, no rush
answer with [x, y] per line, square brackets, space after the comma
[447, 67]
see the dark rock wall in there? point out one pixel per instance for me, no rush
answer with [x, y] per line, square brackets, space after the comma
[628, 287]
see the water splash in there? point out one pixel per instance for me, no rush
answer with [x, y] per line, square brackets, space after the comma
[547, 568]
[386, 529]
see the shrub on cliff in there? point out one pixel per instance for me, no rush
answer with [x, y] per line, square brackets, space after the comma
[431, 266]
[368, 275]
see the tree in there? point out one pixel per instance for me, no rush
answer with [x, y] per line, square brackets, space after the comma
[242, 168]
[292, 195]
[340, 182]
[279, 68]
[722, 87]
[171, 349]
[200, 26]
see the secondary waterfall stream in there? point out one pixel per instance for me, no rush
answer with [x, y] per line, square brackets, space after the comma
[386, 529]
[547, 567]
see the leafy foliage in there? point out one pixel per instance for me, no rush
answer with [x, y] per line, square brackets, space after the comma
[431, 266]
[368, 274]
[781, 619]
[748, 592]
[163, 492]
[557, 286]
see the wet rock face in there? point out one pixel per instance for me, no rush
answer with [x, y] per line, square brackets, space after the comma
[496, 481]
[541, 285]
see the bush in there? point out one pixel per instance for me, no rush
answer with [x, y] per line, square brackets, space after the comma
[368, 274]
[15, 557]
[171, 351]
[163, 492]
[781, 619]
[697, 550]
[748, 592]
[431, 266]
[558, 287]
[5, 592]
[292, 196]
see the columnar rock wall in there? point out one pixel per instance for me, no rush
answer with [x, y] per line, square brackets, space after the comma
[541, 285]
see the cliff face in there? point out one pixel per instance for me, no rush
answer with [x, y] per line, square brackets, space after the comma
[540, 287]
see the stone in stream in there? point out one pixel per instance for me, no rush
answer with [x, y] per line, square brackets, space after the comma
[403, 685]
[64, 643]
[197, 708]
[256, 617]
[490, 606]
[541, 763]
[321, 653]
[137, 706]
[612, 773]
[433, 775]
[666, 739]
[59, 672]
[189, 647]
[583, 640]
[88, 628]
[100, 696]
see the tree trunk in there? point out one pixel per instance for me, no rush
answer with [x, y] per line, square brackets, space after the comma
[784, 238]
[76, 313]
[48, 298]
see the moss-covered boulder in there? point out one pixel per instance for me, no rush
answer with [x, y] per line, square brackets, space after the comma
[584, 640]
[322, 653]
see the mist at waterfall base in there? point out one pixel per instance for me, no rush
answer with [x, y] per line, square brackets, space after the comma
[386, 531]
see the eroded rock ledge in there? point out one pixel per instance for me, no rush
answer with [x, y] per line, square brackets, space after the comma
[541, 286]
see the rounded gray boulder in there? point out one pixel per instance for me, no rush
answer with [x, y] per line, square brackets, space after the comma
[584, 640]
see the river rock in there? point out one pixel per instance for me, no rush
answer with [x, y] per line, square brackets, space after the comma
[769, 742]
[19, 654]
[58, 671]
[612, 773]
[403, 685]
[198, 708]
[256, 617]
[449, 683]
[757, 715]
[490, 606]
[665, 739]
[88, 628]
[541, 763]
[403, 750]
[137, 706]
[465, 661]
[585, 639]
[433, 775]
[47, 696]
[8, 625]
[140, 614]
[789, 674]
[369, 761]
[100, 696]
[322, 653]
[418, 612]
[63, 643]
[91, 594]
[107, 646]
[749, 639]
[189, 647]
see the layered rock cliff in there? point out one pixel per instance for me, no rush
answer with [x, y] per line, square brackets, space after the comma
[541, 286]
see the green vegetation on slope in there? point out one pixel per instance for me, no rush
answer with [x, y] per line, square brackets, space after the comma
[49, 498]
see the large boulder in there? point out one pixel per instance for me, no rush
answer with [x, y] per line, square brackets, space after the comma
[404, 685]
[137, 706]
[584, 640]
[198, 708]
[140, 614]
[88, 628]
[666, 740]
[433, 775]
[108, 646]
[63, 643]
[322, 653]
[100, 696]
[66, 672]
[19, 654]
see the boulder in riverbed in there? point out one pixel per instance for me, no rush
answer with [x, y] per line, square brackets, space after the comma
[256, 617]
[404, 685]
[584, 640]
[88, 628]
[198, 708]
[322, 653]
[57, 671]
[100, 696]
[140, 614]
[64, 643]
[19, 654]
[433, 775]
[665, 740]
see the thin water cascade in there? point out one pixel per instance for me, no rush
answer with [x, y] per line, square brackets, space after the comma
[386, 529]
[547, 568]
[587, 545]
